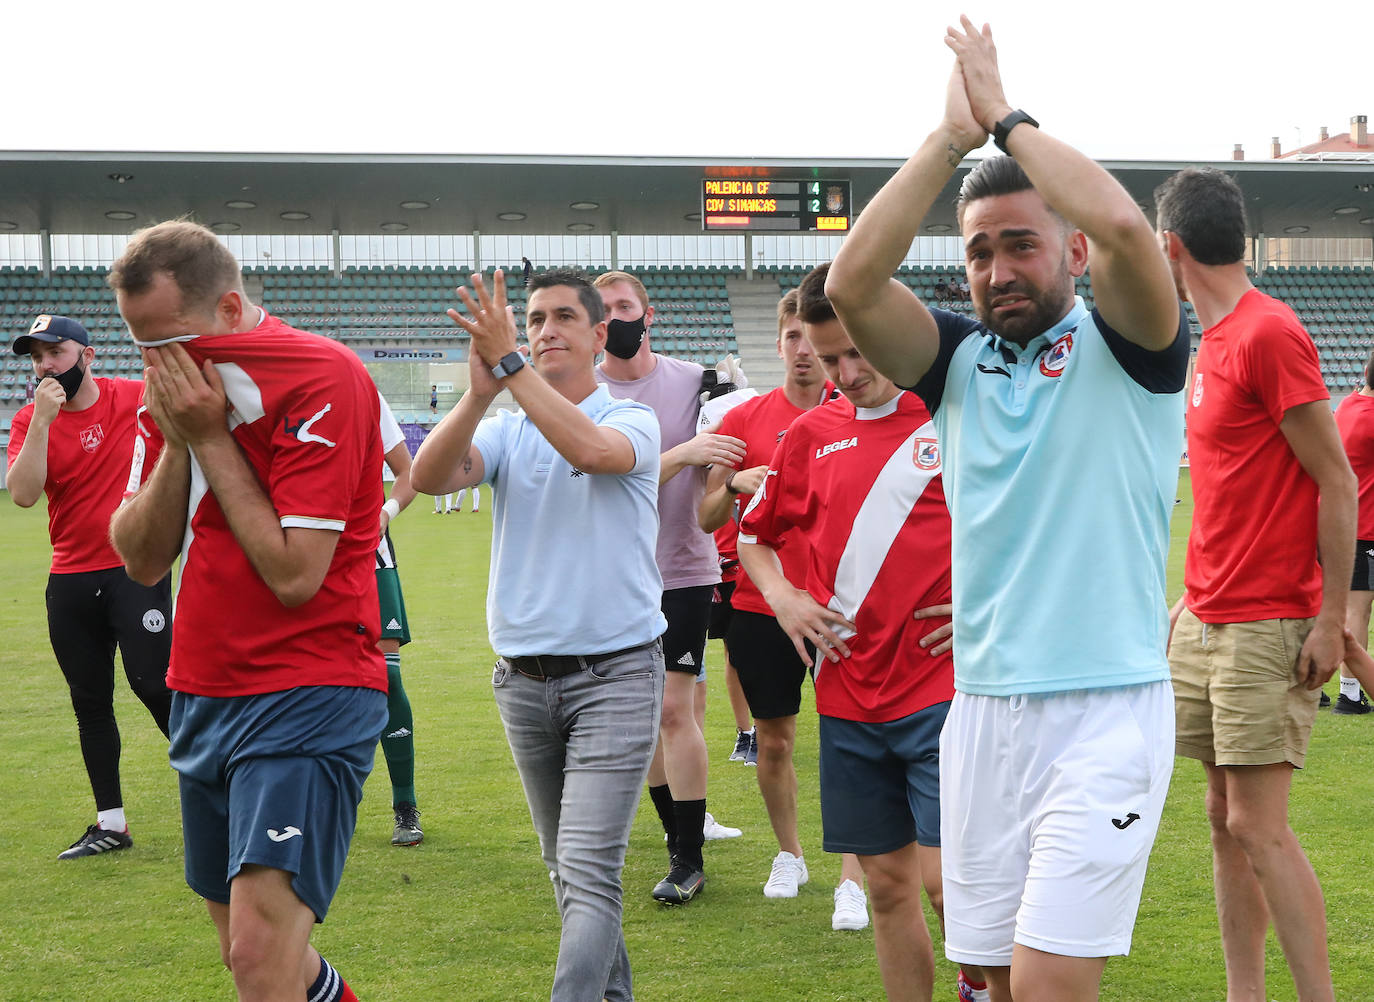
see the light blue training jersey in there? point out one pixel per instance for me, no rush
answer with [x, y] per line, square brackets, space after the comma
[1060, 465]
[572, 553]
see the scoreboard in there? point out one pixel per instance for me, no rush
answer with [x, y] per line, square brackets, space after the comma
[767, 204]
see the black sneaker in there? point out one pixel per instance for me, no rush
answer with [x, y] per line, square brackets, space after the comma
[1324, 703]
[741, 746]
[682, 884]
[1353, 707]
[407, 825]
[95, 841]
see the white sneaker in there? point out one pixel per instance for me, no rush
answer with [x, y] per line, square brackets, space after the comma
[714, 829]
[789, 873]
[851, 907]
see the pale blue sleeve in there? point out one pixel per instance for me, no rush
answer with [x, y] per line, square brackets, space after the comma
[640, 425]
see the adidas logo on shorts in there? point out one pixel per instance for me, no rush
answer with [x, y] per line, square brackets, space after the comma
[687, 660]
[393, 625]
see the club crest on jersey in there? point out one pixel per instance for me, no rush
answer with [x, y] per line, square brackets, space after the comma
[844, 443]
[926, 454]
[92, 437]
[1197, 390]
[1054, 360]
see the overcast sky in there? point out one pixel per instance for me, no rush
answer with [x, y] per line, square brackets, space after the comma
[1171, 80]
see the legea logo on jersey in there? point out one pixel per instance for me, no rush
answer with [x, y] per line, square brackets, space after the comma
[926, 454]
[92, 437]
[1052, 364]
[1197, 390]
[844, 443]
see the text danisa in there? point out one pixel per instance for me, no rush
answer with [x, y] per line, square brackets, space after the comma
[844, 443]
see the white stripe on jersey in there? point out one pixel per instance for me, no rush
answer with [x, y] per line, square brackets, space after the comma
[306, 522]
[242, 392]
[199, 488]
[877, 524]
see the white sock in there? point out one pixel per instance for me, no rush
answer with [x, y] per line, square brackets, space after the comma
[1350, 688]
[112, 820]
[476, 501]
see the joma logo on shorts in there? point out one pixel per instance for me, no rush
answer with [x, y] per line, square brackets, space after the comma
[844, 443]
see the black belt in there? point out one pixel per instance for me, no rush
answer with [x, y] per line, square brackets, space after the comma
[547, 666]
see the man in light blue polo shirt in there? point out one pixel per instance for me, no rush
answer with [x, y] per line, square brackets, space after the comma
[579, 681]
[1060, 429]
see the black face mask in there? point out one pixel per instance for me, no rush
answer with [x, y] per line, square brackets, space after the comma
[70, 381]
[623, 337]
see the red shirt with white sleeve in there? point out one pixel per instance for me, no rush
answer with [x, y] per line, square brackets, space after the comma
[864, 489]
[305, 414]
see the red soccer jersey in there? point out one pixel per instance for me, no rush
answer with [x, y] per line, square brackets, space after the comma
[761, 423]
[1355, 419]
[865, 490]
[306, 416]
[88, 465]
[1252, 552]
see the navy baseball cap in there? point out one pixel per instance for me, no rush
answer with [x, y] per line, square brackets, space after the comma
[51, 328]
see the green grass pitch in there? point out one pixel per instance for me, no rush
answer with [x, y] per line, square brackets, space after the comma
[469, 913]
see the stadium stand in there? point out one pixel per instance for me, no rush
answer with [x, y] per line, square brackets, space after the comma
[374, 305]
[404, 306]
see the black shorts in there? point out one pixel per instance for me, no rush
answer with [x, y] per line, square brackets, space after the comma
[721, 610]
[769, 670]
[688, 611]
[1363, 578]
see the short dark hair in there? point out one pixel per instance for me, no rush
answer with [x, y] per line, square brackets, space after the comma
[787, 308]
[1206, 209]
[813, 306]
[1369, 371]
[200, 265]
[573, 278]
[993, 176]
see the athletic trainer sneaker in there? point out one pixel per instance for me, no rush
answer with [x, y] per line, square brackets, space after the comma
[95, 841]
[1345, 705]
[1324, 702]
[741, 745]
[751, 757]
[851, 907]
[788, 874]
[407, 825]
[967, 993]
[714, 829]
[681, 885]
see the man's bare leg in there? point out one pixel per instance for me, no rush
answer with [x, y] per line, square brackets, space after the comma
[1048, 977]
[906, 957]
[1242, 912]
[682, 744]
[777, 778]
[264, 935]
[1257, 819]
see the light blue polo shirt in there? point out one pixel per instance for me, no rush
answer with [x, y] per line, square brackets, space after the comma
[572, 553]
[1060, 465]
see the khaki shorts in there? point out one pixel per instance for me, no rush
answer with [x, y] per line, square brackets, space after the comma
[1235, 694]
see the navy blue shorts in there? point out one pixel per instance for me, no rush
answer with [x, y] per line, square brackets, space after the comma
[880, 783]
[273, 780]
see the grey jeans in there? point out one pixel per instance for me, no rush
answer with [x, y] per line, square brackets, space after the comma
[582, 744]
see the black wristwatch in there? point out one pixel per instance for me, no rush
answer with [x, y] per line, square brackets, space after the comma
[509, 365]
[1003, 128]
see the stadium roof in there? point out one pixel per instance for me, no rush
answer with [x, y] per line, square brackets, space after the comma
[66, 192]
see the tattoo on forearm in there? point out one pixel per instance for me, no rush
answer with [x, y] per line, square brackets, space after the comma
[467, 464]
[952, 155]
